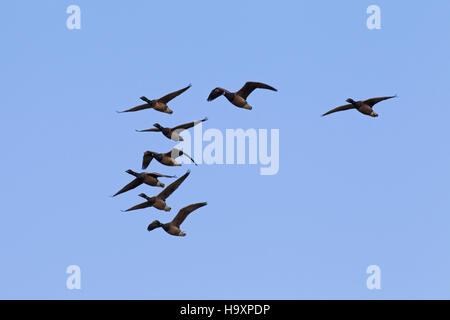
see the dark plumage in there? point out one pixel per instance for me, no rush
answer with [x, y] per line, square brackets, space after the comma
[173, 133]
[173, 227]
[365, 106]
[159, 201]
[167, 159]
[239, 98]
[157, 104]
[149, 178]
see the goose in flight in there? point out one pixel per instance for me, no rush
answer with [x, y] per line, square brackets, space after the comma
[167, 159]
[149, 178]
[173, 133]
[173, 227]
[157, 104]
[159, 201]
[239, 98]
[364, 106]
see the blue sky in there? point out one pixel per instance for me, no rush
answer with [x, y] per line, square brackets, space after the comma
[352, 191]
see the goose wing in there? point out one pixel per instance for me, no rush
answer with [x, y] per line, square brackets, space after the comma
[341, 108]
[149, 130]
[137, 108]
[172, 95]
[215, 93]
[159, 175]
[374, 101]
[184, 212]
[189, 124]
[148, 157]
[175, 153]
[248, 88]
[173, 186]
[133, 184]
[142, 205]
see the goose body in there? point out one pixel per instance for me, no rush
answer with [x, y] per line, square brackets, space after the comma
[159, 201]
[173, 227]
[239, 98]
[363, 106]
[157, 104]
[173, 133]
[167, 158]
[148, 178]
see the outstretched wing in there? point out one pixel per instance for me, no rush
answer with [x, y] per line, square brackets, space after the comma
[341, 108]
[133, 184]
[215, 93]
[172, 95]
[250, 86]
[142, 205]
[189, 125]
[175, 153]
[150, 130]
[374, 101]
[137, 108]
[173, 186]
[159, 175]
[148, 157]
[155, 224]
[184, 212]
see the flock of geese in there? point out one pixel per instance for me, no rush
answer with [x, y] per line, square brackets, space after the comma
[238, 99]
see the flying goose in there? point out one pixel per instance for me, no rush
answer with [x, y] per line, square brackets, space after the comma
[173, 133]
[159, 201]
[364, 106]
[149, 178]
[239, 98]
[173, 227]
[167, 159]
[157, 104]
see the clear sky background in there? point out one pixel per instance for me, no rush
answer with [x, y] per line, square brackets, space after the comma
[352, 190]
